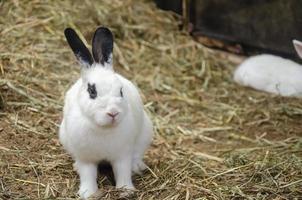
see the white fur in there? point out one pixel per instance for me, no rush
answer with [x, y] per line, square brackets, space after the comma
[87, 133]
[271, 74]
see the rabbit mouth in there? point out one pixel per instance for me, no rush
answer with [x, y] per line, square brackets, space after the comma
[115, 121]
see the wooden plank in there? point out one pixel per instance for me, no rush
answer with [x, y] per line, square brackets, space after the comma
[269, 25]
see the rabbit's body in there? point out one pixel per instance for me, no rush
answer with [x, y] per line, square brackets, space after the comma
[271, 74]
[104, 117]
[81, 137]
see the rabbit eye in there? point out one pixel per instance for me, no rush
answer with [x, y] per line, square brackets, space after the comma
[121, 92]
[92, 91]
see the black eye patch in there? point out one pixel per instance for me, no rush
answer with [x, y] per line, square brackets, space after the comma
[121, 92]
[92, 91]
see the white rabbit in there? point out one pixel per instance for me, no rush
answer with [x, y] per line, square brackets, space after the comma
[104, 117]
[272, 74]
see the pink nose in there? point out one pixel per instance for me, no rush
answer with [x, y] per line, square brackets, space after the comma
[113, 115]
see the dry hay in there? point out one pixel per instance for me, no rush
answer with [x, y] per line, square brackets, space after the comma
[214, 139]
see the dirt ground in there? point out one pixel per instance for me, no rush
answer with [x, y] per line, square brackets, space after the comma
[213, 138]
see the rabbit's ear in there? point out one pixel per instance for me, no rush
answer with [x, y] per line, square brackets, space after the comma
[298, 47]
[78, 47]
[102, 46]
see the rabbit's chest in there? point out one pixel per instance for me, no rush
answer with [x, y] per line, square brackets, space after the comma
[96, 145]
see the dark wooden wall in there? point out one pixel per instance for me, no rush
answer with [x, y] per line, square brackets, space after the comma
[265, 25]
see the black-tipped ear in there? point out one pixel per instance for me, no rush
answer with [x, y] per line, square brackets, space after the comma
[102, 45]
[78, 47]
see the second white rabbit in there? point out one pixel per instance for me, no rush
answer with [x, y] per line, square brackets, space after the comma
[272, 73]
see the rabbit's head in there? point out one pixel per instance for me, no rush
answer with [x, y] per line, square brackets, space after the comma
[102, 97]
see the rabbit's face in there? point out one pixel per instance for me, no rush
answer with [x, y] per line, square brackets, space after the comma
[102, 97]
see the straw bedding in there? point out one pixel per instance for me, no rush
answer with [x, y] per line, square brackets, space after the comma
[214, 139]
